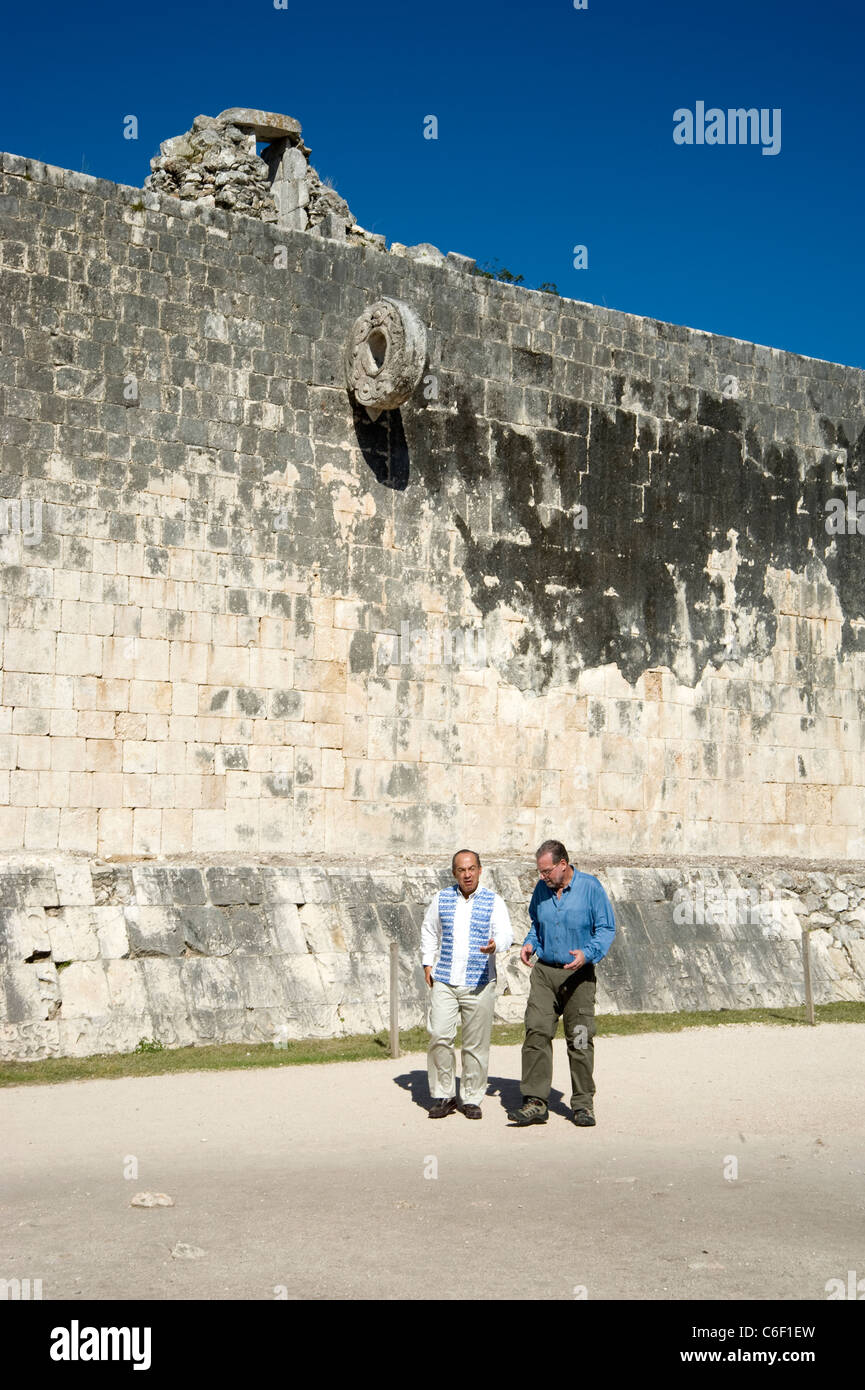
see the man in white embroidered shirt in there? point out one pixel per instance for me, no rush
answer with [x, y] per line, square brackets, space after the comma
[465, 925]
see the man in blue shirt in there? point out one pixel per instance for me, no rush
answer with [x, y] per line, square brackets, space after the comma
[572, 928]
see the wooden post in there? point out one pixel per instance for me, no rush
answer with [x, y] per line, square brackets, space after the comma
[394, 999]
[806, 961]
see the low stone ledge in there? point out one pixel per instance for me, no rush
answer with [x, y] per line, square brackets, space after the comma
[95, 956]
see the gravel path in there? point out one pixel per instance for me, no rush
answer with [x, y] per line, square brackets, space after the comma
[309, 1182]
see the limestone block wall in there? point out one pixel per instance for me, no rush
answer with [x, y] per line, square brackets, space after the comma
[239, 616]
[96, 956]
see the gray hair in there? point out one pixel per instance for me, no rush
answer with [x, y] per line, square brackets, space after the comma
[555, 848]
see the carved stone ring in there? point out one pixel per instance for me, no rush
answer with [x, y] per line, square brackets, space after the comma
[385, 356]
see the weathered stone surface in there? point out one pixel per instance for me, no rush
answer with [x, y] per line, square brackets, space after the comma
[72, 934]
[27, 887]
[168, 885]
[376, 240]
[267, 125]
[167, 1003]
[837, 902]
[303, 535]
[314, 885]
[424, 253]
[210, 984]
[112, 885]
[285, 928]
[361, 930]
[128, 996]
[154, 931]
[74, 885]
[282, 885]
[250, 930]
[291, 196]
[215, 163]
[303, 983]
[332, 226]
[385, 356]
[111, 934]
[245, 632]
[261, 982]
[30, 994]
[293, 217]
[259, 972]
[206, 931]
[233, 886]
[28, 1042]
[85, 992]
[23, 934]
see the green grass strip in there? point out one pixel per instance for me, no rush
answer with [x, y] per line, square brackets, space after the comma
[153, 1060]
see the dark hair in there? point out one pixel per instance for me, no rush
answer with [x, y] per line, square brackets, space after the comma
[464, 851]
[553, 847]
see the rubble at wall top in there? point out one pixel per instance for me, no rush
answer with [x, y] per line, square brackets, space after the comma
[217, 163]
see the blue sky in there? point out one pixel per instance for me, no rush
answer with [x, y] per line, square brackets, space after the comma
[555, 129]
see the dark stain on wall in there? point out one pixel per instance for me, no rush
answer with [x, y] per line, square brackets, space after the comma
[660, 495]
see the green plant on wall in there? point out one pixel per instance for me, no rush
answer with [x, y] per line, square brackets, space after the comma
[491, 270]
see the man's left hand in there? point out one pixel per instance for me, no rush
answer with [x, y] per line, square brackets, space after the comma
[489, 948]
[579, 959]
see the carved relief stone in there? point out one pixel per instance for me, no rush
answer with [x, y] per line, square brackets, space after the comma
[385, 356]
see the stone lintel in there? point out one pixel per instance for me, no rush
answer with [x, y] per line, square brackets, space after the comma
[268, 125]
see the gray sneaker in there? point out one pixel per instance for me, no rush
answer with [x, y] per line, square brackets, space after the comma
[583, 1117]
[533, 1111]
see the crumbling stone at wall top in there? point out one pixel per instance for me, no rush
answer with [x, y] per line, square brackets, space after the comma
[216, 163]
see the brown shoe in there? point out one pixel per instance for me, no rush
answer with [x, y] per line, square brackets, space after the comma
[472, 1112]
[442, 1107]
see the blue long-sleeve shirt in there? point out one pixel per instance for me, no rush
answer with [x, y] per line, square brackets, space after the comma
[580, 920]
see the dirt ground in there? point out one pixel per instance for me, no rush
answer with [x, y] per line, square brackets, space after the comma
[727, 1163]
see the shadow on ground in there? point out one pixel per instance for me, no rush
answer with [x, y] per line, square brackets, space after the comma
[507, 1088]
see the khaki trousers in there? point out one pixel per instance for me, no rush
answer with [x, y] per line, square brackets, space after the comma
[568, 995]
[449, 1006]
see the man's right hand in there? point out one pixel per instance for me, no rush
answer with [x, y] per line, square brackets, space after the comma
[427, 970]
[526, 954]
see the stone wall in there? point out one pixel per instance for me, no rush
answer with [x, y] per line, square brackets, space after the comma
[95, 956]
[227, 635]
[561, 571]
